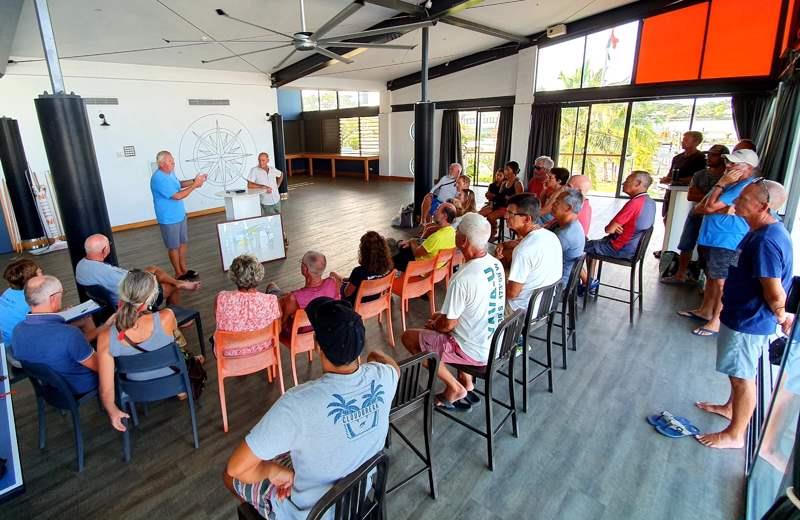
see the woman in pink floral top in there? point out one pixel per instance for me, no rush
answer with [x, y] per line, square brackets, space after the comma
[246, 309]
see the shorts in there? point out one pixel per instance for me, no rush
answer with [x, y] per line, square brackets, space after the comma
[435, 203]
[259, 495]
[716, 261]
[602, 247]
[174, 235]
[738, 352]
[691, 230]
[271, 209]
[446, 347]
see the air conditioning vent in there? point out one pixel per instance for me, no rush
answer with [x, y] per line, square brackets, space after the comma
[209, 102]
[101, 101]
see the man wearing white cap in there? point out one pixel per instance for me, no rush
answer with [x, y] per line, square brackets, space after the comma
[720, 235]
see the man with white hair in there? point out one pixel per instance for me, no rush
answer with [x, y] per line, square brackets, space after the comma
[44, 337]
[168, 194]
[541, 168]
[93, 270]
[473, 309]
[444, 190]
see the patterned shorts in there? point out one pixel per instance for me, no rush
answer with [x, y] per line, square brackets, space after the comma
[259, 495]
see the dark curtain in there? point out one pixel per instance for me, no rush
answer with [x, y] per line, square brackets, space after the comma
[750, 116]
[545, 126]
[450, 149]
[778, 151]
[502, 150]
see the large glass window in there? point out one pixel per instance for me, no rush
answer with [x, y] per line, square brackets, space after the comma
[310, 100]
[359, 136]
[478, 143]
[314, 100]
[369, 99]
[348, 99]
[327, 100]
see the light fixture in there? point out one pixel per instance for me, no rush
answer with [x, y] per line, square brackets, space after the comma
[103, 119]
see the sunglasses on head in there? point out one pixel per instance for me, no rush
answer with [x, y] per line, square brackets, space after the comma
[764, 189]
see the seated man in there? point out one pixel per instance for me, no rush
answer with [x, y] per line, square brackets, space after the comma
[44, 337]
[444, 190]
[322, 430]
[312, 267]
[535, 258]
[583, 184]
[92, 270]
[625, 229]
[541, 168]
[473, 308]
[566, 209]
[443, 238]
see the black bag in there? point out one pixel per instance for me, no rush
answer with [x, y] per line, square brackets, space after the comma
[668, 264]
[197, 376]
[404, 219]
[776, 350]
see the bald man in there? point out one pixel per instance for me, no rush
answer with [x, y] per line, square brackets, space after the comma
[583, 184]
[93, 270]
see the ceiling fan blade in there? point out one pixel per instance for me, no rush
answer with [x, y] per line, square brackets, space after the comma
[223, 13]
[223, 41]
[484, 29]
[377, 32]
[284, 60]
[333, 55]
[246, 53]
[354, 45]
[344, 14]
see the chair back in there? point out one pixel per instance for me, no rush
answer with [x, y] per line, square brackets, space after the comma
[302, 335]
[574, 278]
[102, 297]
[504, 340]
[50, 386]
[442, 265]
[361, 495]
[249, 363]
[542, 304]
[379, 286]
[641, 247]
[414, 384]
[156, 389]
[417, 279]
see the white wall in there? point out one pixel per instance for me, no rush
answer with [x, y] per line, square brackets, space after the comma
[153, 114]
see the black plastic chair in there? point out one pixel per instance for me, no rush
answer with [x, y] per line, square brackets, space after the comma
[102, 297]
[638, 258]
[414, 393]
[183, 316]
[501, 356]
[51, 388]
[130, 392]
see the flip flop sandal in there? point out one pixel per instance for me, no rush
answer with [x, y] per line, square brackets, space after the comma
[462, 405]
[675, 430]
[704, 332]
[472, 397]
[444, 405]
[691, 315]
[664, 418]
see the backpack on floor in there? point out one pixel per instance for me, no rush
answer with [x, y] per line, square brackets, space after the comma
[668, 264]
[405, 219]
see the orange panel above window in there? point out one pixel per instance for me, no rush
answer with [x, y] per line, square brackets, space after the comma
[741, 38]
[671, 45]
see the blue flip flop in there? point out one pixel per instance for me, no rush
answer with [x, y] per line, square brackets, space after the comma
[663, 418]
[672, 426]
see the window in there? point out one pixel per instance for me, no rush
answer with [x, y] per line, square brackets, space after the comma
[478, 143]
[359, 136]
[310, 100]
[348, 99]
[314, 100]
[369, 99]
[597, 60]
[327, 100]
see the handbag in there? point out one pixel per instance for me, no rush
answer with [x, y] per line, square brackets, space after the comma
[776, 350]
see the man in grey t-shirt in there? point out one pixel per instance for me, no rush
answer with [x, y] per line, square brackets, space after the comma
[322, 430]
[568, 229]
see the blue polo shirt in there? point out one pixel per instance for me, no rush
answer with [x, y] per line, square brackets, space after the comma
[47, 339]
[163, 186]
[12, 311]
[722, 230]
[763, 253]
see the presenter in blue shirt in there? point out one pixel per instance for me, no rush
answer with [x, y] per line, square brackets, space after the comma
[168, 194]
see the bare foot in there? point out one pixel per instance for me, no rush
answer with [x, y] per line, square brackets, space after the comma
[188, 286]
[720, 409]
[721, 440]
[182, 396]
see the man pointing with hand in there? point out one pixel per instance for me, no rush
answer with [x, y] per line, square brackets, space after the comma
[168, 194]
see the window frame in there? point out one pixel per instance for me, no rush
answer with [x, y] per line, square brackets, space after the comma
[338, 104]
[474, 176]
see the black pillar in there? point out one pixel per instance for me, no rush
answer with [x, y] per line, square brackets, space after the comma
[15, 166]
[76, 176]
[423, 152]
[279, 147]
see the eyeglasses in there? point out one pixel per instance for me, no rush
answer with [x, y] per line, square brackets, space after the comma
[764, 189]
[539, 167]
[57, 292]
[515, 214]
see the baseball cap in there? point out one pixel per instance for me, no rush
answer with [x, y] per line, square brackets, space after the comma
[337, 328]
[720, 149]
[743, 156]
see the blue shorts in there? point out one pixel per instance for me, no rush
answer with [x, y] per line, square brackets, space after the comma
[435, 203]
[716, 261]
[738, 352]
[691, 230]
[603, 247]
[174, 235]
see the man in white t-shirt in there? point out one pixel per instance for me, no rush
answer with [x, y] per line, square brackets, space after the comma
[473, 309]
[444, 190]
[266, 178]
[536, 259]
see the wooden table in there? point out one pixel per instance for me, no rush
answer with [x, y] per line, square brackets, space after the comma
[332, 157]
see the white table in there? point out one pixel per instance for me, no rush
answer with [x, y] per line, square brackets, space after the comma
[242, 205]
[677, 211]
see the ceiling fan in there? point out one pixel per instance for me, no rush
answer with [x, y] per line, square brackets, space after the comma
[315, 41]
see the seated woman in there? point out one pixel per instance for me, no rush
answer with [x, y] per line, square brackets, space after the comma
[374, 262]
[492, 190]
[464, 203]
[511, 185]
[135, 330]
[554, 184]
[13, 307]
[246, 309]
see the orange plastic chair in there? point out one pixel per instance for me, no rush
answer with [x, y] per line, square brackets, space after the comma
[298, 342]
[370, 309]
[269, 359]
[415, 282]
[443, 267]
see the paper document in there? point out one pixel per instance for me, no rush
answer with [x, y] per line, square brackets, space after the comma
[79, 311]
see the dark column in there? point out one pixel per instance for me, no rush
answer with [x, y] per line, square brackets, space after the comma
[279, 153]
[76, 176]
[15, 166]
[423, 152]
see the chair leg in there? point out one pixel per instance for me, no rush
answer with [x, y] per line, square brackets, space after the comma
[427, 434]
[294, 370]
[525, 371]
[42, 424]
[589, 264]
[513, 396]
[573, 326]
[403, 309]
[200, 338]
[222, 404]
[641, 290]
[126, 435]
[631, 288]
[76, 429]
[489, 427]
[389, 328]
[270, 374]
[564, 337]
[431, 303]
[550, 354]
[280, 375]
[192, 415]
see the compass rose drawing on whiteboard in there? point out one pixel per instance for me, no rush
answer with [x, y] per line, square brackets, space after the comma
[222, 147]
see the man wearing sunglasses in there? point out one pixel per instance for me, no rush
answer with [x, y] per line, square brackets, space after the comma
[541, 168]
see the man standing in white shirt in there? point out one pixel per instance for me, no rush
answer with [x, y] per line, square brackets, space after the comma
[266, 178]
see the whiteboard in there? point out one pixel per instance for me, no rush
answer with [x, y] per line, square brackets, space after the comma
[11, 483]
[261, 237]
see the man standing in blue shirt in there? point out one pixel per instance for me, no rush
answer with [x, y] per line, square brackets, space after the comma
[168, 194]
[753, 303]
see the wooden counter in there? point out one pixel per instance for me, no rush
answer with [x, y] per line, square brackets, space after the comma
[332, 157]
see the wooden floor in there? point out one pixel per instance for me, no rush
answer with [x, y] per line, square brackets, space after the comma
[584, 452]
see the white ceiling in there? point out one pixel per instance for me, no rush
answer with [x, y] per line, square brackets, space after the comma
[101, 26]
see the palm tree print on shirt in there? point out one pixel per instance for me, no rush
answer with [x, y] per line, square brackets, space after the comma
[358, 420]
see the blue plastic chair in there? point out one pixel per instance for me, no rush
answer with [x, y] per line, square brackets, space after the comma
[130, 392]
[52, 388]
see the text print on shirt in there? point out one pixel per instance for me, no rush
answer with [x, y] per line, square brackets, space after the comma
[357, 420]
[496, 311]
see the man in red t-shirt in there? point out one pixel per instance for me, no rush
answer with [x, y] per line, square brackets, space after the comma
[541, 167]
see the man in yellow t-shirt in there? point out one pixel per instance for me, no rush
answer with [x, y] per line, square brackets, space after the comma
[444, 238]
